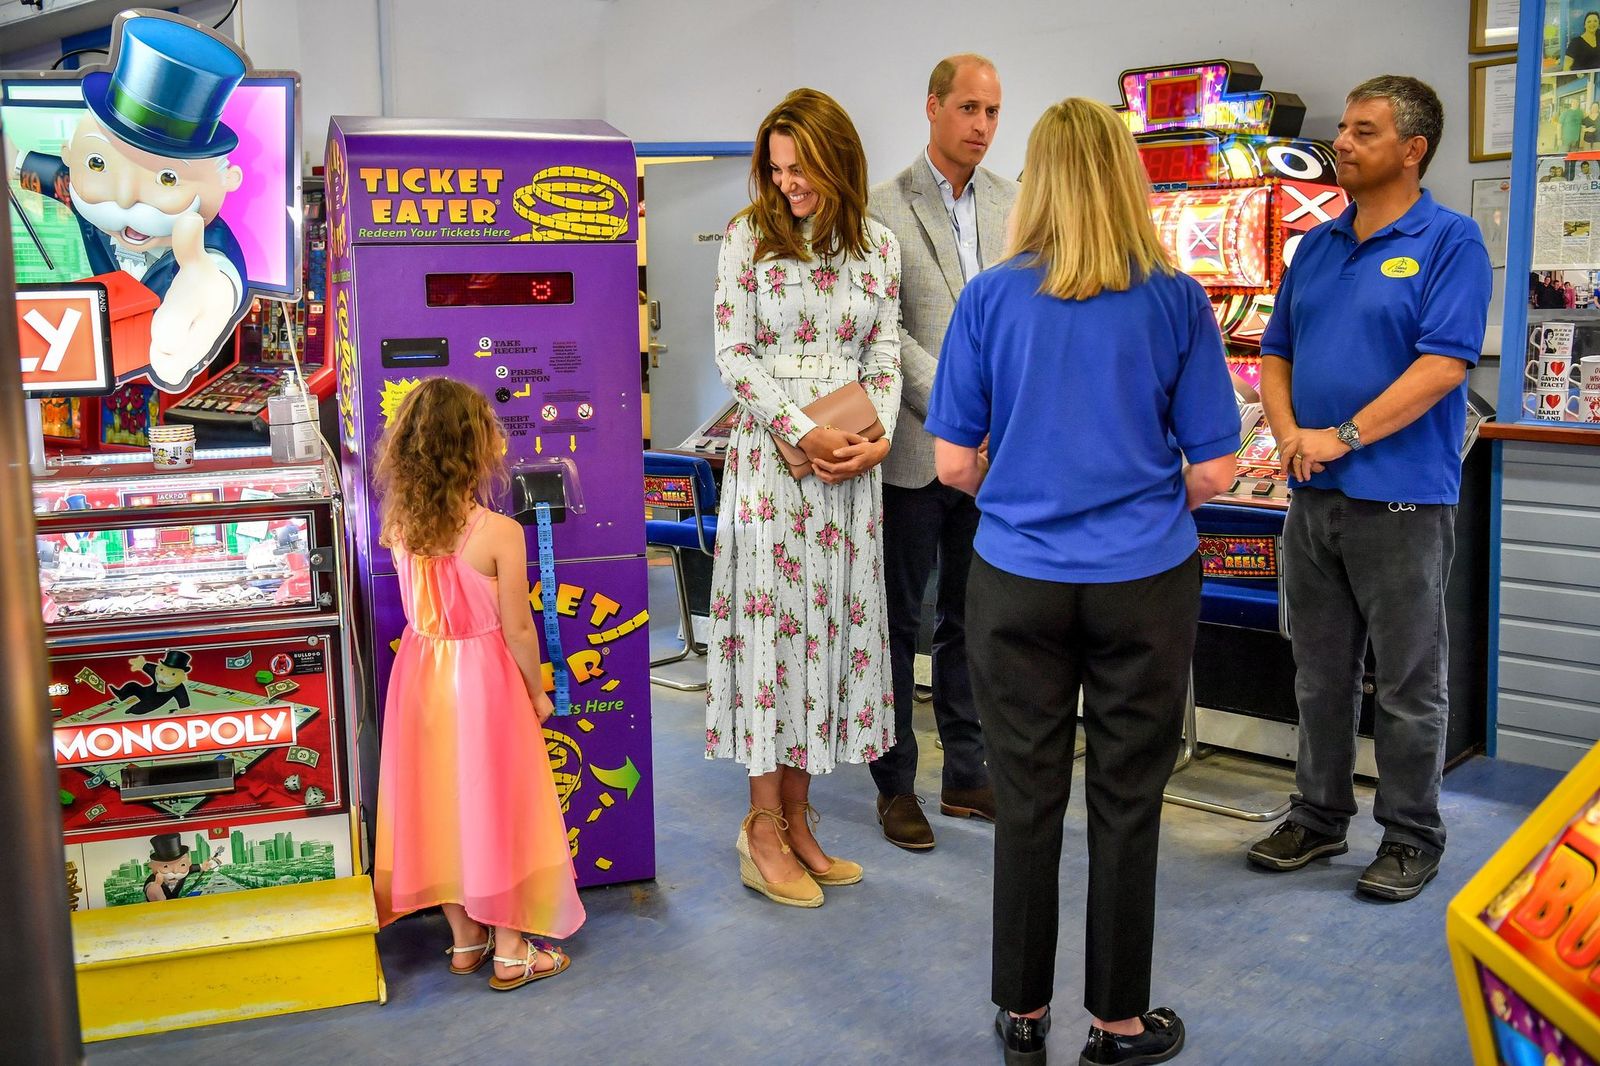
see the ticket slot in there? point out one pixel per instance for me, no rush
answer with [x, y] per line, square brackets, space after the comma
[409, 352]
[168, 779]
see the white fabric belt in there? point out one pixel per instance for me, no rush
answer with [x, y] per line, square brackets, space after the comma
[814, 366]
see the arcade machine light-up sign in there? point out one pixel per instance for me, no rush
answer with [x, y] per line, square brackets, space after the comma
[1524, 935]
[1234, 189]
[504, 255]
[211, 149]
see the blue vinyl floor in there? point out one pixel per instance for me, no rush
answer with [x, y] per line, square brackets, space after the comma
[693, 968]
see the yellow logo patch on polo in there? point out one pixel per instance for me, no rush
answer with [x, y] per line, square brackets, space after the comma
[1401, 266]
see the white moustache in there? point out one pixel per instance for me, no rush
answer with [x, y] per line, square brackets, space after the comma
[112, 218]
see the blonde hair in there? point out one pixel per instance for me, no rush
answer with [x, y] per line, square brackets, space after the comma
[444, 451]
[1084, 210]
[944, 72]
[830, 156]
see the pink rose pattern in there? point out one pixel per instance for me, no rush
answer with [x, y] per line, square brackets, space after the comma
[798, 671]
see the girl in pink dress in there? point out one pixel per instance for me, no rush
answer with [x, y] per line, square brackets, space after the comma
[468, 818]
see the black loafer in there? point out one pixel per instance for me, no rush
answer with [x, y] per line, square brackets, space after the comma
[1399, 872]
[1291, 845]
[1023, 1038]
[1161, 1040]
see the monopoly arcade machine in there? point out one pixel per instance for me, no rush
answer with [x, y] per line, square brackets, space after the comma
[503, 255]
[1235, 187]
[194, 610]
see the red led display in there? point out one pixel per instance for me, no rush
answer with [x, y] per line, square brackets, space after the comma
[1171, 99]
[499, 289]
[1188, 162]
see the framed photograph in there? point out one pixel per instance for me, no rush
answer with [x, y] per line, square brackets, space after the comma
[1491, 207]
[1492, 97]
[1493, 27]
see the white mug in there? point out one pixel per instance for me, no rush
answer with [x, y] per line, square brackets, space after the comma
[1549, 405]
[1553, 369]
[1550, 339]
[1589, 404]
[1589, 372]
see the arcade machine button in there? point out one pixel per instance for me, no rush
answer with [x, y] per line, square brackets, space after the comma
[1233, 490]
[1263, 488]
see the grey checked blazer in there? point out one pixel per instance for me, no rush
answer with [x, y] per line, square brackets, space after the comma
[930, 279]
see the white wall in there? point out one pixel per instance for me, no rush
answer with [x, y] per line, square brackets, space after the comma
[709, 69]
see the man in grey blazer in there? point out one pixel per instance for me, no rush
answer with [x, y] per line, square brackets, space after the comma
[949, 215]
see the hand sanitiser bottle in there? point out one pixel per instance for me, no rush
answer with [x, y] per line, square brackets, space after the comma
[292, 418]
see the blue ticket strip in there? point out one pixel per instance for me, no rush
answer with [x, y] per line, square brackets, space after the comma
[552, 624]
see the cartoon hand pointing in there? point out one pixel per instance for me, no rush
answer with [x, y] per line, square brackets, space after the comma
[198, 305]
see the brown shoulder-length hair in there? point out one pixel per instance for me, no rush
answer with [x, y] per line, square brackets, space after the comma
[829, 153]
[444, 451]
[1084, 210]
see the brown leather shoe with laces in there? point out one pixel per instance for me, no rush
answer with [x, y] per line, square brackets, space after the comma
[904, 824]
[968, 803]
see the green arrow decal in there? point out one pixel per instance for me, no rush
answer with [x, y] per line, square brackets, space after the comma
[625, 777]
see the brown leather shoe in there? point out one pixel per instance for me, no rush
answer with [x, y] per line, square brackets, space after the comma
[904, 824]
[968, 803]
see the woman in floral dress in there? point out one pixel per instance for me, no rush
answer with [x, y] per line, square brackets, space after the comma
[807, 301]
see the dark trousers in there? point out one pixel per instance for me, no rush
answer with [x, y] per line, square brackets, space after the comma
[1127, 646]
[935, 522]
[1360, 571]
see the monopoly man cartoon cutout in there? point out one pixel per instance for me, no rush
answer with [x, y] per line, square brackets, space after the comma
[171, 868]
[146, 171]
[166, 683]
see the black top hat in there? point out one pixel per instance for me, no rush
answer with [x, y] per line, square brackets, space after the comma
[178, 660]
[164, 847]
[168, 89]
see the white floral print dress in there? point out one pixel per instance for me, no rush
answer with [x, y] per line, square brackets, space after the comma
[798, 665]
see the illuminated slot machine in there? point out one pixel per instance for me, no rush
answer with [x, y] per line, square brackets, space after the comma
[230, 404]
[1234, 187]
[1522, 935]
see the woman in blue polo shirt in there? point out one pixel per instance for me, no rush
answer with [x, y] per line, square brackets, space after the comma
[1095, 370]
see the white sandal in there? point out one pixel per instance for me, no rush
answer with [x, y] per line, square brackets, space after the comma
[561, 959]
[484, 950]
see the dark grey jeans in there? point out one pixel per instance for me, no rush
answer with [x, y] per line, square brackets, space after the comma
[1360, 571]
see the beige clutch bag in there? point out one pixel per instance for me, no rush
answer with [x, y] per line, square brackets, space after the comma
[846, 409]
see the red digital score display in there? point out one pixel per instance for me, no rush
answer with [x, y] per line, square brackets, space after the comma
[499, 289]
[1187, 163]
[1171, 99]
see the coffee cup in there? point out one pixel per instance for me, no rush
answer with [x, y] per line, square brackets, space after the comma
[1551, 339]
[1589, 373]
[1550, 371]
[1589, 405]
[1550, 405]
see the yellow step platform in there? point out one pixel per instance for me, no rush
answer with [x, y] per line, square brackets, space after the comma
[152, 967]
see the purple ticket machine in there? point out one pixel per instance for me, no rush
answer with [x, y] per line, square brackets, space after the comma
[503, 254]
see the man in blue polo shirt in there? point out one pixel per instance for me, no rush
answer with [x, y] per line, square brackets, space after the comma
[1364, 381]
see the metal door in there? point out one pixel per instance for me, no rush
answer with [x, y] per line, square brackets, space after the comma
[688, 206]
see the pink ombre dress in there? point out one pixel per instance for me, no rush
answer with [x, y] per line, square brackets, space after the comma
[467, 807]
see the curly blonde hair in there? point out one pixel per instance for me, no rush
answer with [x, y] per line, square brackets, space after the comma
[444, 451]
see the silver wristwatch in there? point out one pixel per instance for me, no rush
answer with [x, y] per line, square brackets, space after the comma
[1351, 436]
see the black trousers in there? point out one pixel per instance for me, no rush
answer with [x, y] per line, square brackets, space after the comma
[1127, 646]
[919, 526]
